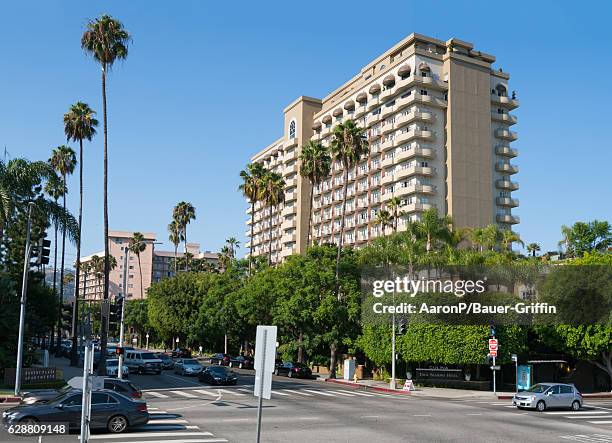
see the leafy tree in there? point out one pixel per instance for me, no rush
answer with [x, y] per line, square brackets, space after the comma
[394, 204]
[533, 248]
[384, 219]
[79, 124]
[433, 228]
[315, 166]
[584, 237]
[106, 40]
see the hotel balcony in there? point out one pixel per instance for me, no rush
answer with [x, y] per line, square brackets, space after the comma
[506, 185]
[286, 252]
[287, 224]
[506, 134]
[430, 82]
[507, 218]
[506, 102]
[372, 120]
[387, 144]
[373, 103]
[506, 167]
[504, 118]
[290, 170]
[288, 238]
[412, 134]
[388, 161]
[507, 202]
[414, 170]
[386, 111]
[290, 196]
[413, 115]
[360, 111]
[413, 152]
[416, 188]
[291, 182]
[291, 142]
[506, 151]
[291, 155]
[416, 207]
[387, 179]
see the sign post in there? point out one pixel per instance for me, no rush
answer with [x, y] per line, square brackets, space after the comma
[265, 353]
[87, 387]
[515, 360]
[493, 346]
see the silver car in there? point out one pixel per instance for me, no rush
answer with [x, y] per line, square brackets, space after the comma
[187, 366]
[549, 395]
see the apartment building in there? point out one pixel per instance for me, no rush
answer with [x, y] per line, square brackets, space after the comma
[125, 278]
[437, 119]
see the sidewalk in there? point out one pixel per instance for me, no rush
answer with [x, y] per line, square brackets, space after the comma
[429, 392]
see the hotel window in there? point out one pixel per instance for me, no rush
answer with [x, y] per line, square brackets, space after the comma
[423, 92]
[292, 129]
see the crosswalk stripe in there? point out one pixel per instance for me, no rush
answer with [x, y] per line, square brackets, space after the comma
[148, 434]
[184, 394]
[601, 422]
[499, 404]
[225, 391]
[168, 421]
[363, 394]
[205, 392]
[577, 413]
[327, 394]
[245, 390]
[196, 440]
[156, 394]
[297, 392]
[584, 417]
[343, 393]
[280, 393]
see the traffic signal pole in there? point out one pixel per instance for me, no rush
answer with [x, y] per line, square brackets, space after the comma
[24, 292]
[122, 325]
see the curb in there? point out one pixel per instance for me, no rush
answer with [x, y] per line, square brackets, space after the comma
[10, 399]
[594, 395]
[366, 388]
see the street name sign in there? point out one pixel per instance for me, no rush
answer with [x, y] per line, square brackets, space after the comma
[265, 356]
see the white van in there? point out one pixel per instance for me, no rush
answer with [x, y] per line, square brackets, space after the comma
[142, 362]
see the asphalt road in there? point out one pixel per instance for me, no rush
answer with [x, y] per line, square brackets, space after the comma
[183, 410]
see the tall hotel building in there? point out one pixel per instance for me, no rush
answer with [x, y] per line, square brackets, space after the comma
[437, 121]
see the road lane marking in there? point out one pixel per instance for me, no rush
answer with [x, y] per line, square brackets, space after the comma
[327, 394]
[156, 394]
[235, 419]
[584, 417]
[197, 440]
[184, 394]
[149, 434]
[363, 394]
[297, 392]
[245, 390]
[369, 416]
[343, 393]
[601, 422]
[280, 393]
[476, 413]
[577, 412]
[231, 392]
[168, 421]
[205, 392]
[422, 415]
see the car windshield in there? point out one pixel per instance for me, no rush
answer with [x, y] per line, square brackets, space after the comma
[112, 363]
[218, 369]
[147, 355]
[538, 389]
[190, 362]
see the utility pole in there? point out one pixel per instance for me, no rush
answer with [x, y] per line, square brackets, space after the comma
[24, 292]
[122, 325]
[392, 381]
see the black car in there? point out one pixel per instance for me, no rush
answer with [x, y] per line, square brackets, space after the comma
[218, 375]
[291, 369]
[220, 359]
[181, 353]
[109, 410]
[167, 362]
[242, 362]
[123, 387]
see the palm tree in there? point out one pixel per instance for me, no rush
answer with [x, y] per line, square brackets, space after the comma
[384, 219]
[315, 166]
[491, 236]
[433, 227]
[106, 40]
[251, 188]
[183, 213]
[348, 146]
[394, 204]
[232, 244]
[476, 237]
[55, 188]
[175, 236]
[508, 237]
[63, 160]
[566, 243]
[79, 125]
[274, 194]
[532, 248]
[137, 245]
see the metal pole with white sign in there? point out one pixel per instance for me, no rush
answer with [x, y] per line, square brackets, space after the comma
[265, 353]
[86, 402]
[494, 376]
[515, 360]
[122, 324]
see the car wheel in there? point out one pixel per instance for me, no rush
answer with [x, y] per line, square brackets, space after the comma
[541, 406]
[575, 405]
[117, 424]
[28, 421]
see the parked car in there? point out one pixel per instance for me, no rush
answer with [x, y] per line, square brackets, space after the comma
[109, 410]
[143, 362]
[220, 359]
[291, 369]
[187, 366]
[167, 362]
[242, 362]
[181, 353]
[549, 395]
[218, 375]
[112, 368]
[123, 387]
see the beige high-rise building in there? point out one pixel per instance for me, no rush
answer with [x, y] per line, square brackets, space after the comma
[437, 120]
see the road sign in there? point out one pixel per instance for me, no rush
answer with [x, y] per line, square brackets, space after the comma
[408, 386]
[496, 368]
[493, 344]
[265, 356]
[493, 353]
[514, 358]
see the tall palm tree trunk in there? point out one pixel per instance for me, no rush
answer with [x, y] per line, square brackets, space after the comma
[104, 326]
[270, 240]
[344, 189]
[61, 291]
[308, 239]
[55, 248]
[252, 230]
[175, 257]
[141, 283]
[77, 279]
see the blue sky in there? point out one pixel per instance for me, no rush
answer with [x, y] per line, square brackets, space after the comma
[205, 84]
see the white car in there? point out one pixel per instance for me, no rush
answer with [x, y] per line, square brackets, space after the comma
[112, 366]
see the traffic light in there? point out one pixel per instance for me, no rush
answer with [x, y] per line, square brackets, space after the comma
[402, 327]
[41, 250]
[119, 350]
[114, 316]
[67, 316]
[492, 330]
